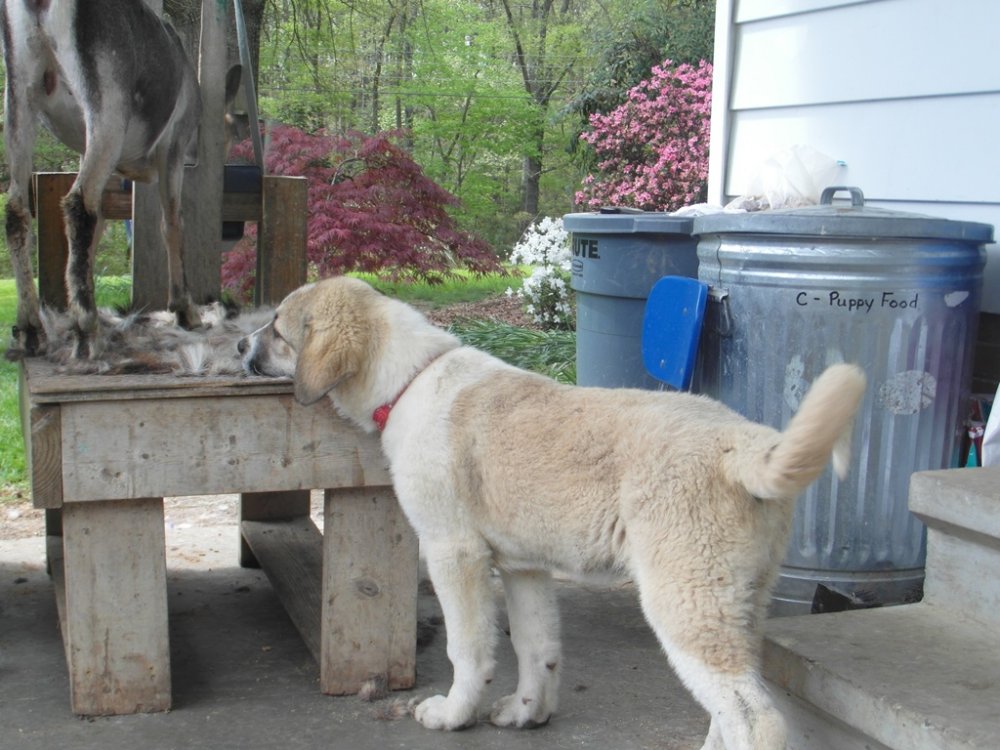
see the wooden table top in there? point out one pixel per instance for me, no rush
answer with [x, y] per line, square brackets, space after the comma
[47, 385]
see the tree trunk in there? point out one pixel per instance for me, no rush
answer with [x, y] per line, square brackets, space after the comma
[531, 172]
[541, 80]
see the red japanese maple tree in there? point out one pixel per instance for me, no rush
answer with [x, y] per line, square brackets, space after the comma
[371, 208]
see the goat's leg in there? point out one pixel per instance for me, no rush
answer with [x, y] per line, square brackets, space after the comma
[81, 210]
[171, 184]
[83, 232]
[19, 139]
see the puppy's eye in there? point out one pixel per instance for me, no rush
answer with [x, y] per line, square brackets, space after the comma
[274, 328]
[279, 337]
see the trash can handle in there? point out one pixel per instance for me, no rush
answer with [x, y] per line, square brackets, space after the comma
[857, 197]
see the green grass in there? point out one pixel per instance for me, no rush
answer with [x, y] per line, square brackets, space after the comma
[551, 353]
[12, 468]
[464, 287]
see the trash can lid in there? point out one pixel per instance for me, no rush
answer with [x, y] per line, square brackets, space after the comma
[856, 220]
[627, 221]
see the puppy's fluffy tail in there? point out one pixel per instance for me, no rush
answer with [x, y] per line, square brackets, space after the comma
[820, 428]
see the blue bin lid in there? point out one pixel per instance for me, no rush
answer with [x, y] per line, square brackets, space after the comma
[627, 221]
[856, 220]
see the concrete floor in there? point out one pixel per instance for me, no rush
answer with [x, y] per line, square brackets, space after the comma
[242, 677]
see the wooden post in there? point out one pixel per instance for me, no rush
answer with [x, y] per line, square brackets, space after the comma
[150, 277]
[369, 626]
[281, 268]
[202, 196]
[202, 200]
[281, 238]
[53, 247]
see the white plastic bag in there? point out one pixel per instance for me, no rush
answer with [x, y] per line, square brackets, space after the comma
[791, 178]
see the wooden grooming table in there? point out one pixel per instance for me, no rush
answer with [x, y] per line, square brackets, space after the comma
[103, 451]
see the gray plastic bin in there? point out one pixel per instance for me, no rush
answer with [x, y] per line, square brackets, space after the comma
[795, 291]
[617, 258]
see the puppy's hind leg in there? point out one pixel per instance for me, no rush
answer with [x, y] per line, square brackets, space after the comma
[534, 630]
[743, 716]
[711, 637]
[460, 574]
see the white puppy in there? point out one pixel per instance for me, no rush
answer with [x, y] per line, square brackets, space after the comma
[495, 466]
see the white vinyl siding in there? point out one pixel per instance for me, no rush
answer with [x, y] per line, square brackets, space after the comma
[906, 93]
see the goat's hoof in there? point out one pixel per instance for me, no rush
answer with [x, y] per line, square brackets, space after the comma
[26, 341]
[86, 345]
[188, 318]
[81, 349]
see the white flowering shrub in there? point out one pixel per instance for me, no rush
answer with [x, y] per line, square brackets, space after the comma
[546, 293]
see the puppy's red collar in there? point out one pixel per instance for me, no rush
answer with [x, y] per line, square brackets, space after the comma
[381, 414]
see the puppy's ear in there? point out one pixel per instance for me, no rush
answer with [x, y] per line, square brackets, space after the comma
[329, 356]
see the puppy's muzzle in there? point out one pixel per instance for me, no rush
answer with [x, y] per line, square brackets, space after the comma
[249, 356]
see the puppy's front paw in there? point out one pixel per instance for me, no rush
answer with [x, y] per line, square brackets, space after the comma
[519, 711]
[438, 713]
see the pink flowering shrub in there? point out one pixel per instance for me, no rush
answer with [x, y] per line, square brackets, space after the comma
[652, 151]
[370, 208]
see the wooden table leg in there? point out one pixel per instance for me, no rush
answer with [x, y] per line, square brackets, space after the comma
[369, 618]
[53, 528]
[115, 589]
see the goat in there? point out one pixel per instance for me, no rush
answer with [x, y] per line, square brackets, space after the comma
[112, 81]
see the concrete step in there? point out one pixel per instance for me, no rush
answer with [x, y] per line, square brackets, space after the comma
[912, 677]
[961, 508]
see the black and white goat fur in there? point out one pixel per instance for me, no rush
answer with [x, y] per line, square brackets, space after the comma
[138, 343]
[112, 81]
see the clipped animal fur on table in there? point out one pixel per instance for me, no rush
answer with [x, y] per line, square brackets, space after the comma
[140, 343]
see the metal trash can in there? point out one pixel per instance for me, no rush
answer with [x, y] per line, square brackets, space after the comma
[795, 291]
[618, 255]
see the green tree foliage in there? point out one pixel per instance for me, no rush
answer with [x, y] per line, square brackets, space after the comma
[639, 36]
[466, 111]
[547, 39]
[492, 94]
[475, 83]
